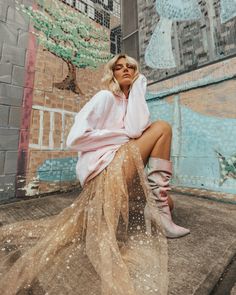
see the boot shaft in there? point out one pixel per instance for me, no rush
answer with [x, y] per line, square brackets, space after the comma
[159, 172]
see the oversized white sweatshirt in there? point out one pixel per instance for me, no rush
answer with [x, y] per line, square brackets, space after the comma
[105, 123]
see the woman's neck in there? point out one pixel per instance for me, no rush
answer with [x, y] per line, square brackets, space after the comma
[126, 91]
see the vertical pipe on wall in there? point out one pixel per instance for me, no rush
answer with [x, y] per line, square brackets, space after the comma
[210, 36]
[177, 136]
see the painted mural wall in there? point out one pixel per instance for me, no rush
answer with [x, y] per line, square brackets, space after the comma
[202, 111]
[180, 36]
[187, 51]
[196, 39]
[66, 46]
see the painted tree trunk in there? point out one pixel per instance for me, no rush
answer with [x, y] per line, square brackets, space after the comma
[69, 83]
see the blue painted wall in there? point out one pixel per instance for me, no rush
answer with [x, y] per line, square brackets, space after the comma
[196, 138]
[58, 170]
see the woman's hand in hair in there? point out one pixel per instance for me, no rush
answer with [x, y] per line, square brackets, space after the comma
[135, 77]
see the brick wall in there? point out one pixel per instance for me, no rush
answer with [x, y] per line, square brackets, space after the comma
[35, 115]
[52, 115]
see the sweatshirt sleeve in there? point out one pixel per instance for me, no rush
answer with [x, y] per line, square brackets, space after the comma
[84, 135]
[137, 117]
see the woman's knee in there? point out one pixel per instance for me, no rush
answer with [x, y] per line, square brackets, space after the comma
[164, 126]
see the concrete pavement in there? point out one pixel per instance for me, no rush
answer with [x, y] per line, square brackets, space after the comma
[196, 261]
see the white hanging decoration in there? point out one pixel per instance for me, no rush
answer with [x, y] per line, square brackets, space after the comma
[228, 10]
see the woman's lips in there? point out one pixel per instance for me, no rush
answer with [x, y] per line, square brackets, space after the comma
[126, 76]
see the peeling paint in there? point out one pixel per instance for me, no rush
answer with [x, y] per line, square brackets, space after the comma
[32, 188]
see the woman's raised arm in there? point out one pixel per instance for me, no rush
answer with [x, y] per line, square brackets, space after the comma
[84, 135]
[137, 118]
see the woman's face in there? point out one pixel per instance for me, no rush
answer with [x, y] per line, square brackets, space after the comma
[124, 73]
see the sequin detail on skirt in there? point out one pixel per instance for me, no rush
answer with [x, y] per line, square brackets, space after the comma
[96, 246]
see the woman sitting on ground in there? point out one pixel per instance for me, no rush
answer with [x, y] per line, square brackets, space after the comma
[99, 244]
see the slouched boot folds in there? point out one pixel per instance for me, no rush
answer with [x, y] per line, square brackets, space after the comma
[159, 172]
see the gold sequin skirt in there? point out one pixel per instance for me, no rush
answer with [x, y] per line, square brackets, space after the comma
[96, 246]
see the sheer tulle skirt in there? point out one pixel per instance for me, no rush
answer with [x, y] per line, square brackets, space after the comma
[95, 246]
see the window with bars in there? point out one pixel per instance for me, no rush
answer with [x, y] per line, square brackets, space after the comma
[115, 39]
[100, 13]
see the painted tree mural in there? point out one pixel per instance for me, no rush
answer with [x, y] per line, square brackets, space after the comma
[71, 36]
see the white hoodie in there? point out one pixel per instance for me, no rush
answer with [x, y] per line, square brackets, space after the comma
[105, 123]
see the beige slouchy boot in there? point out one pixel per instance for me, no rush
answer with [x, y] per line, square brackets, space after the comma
[159, 172]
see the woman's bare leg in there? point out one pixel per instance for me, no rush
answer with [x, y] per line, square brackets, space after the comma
[155, 141]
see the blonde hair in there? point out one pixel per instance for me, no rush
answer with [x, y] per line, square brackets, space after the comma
[109, 81]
